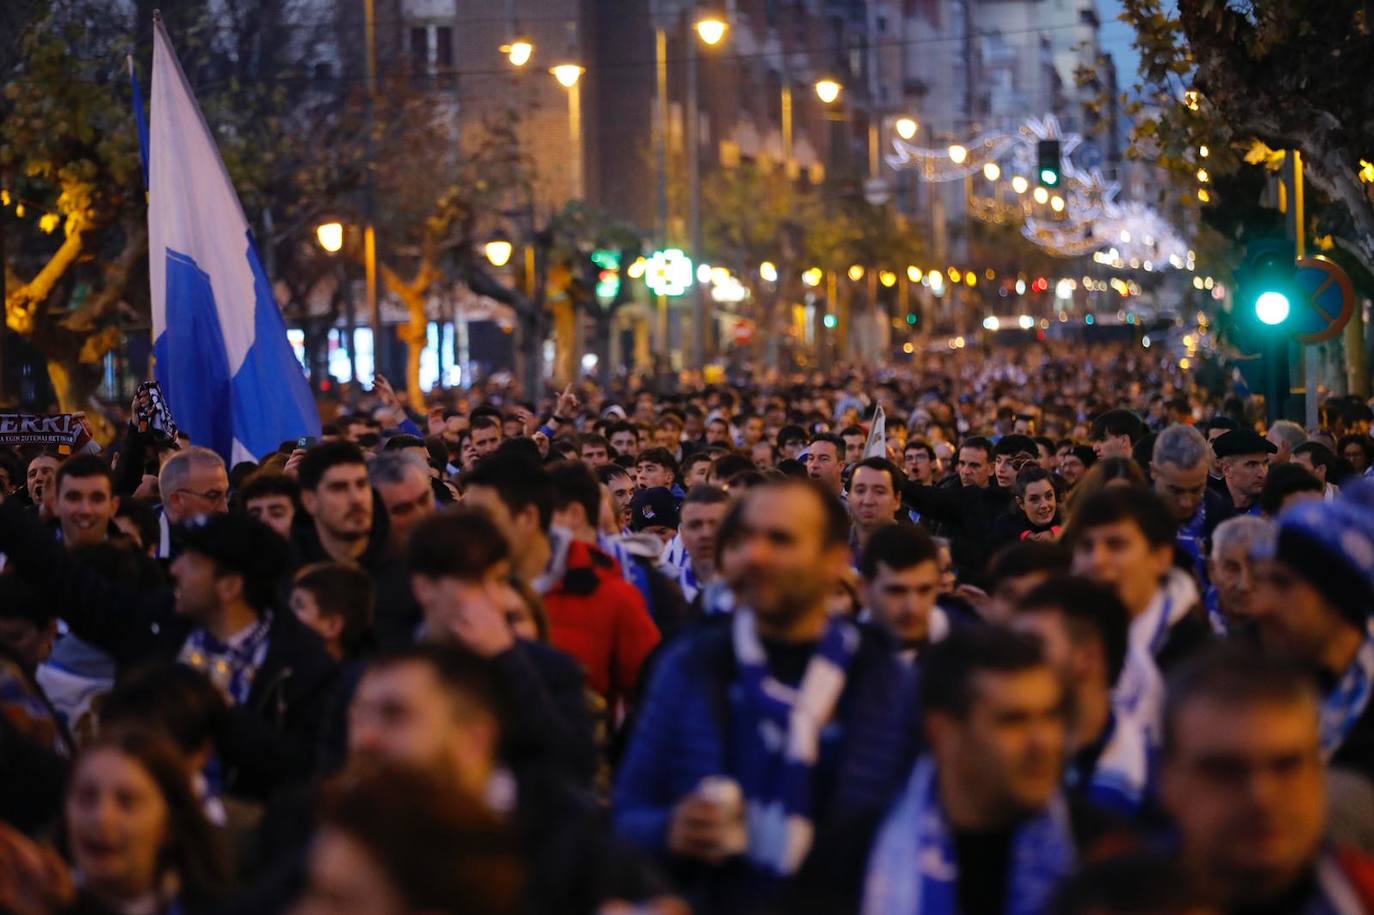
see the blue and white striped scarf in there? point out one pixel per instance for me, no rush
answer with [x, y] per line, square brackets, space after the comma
[777, 737]
[1344, 705]
[913, 869]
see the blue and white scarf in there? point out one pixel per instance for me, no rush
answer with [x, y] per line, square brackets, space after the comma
[776, 732]
[231, 665]
[913, 869]
[1345, 703]
[1120, 777]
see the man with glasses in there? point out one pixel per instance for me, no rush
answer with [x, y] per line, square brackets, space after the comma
[193, 484]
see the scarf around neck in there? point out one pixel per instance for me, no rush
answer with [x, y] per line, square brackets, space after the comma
[913, 868]
[1345, 703]
[776, 732]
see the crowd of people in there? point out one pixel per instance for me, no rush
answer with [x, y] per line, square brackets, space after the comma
[1028, 631]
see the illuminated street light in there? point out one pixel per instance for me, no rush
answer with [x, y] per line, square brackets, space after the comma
[813, 276]
[907, 128]
[1202, 176]
[1019, 184]
[957, 154]
[1203, 151]
[1041, 195]
[827, 90]
[711, 29]
[1057, 203]
[887, 278]
[992, 171]
[856, 272]
[914, 274]
[498, 251]
[768, 272]
[518, 52]
[567, 74]
[330, 235]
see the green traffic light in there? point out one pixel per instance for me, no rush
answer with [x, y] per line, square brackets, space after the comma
[1049, 177]
[1272, 307]
[911, 317]
[830, 321]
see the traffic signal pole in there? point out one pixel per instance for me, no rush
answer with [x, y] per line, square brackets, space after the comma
[1297, 231]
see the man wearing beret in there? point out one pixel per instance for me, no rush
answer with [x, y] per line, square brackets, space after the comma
[1244, 457]
[1313, 596]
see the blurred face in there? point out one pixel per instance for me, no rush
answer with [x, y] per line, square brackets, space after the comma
[1119, 556]
[784, 570]
[792, 448]
[973, 467]
[595, 455]
[1304, 459]
[622, 492]
[699, 524]
[1181, 488]
[277, 512]
[1352, 452]
[118, 823]
[652, 475]
[1006, 759]
[753, 430]
[949, 575]
[1039, 503]
[205, 492]
[718, 432]
[1245, 474]
[873, 501]
[42, 470]
[668, 435]
[1246, 789]
[825, 465]
[1113, 446]
[345, 879]
[697, 473]
[1232, 571]
[917, 465]
[625, 442]
[199, 589]
[902, 599]
[29, 644]
[1072, 468]
[402, 713]
[485, 440]
[85, 508]
[1048, 460]
[342, 503]
[853, 449]
[1006, 466]
[1008, 594]
[1294, 617]
[407, 502]
[762, 455]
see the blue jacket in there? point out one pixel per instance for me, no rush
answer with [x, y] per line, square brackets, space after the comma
[681, 737]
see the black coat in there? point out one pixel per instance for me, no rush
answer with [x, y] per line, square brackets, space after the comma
[269, 740]
[969, 513]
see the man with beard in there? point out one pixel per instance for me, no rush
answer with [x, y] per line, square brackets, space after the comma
[901, 577]
[339, 523]
[734, 824]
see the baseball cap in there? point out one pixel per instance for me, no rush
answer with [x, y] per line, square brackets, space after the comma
[654, 507]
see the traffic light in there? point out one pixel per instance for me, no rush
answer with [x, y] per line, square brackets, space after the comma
[1266, 312]
[1268, 295]
[1050, 162]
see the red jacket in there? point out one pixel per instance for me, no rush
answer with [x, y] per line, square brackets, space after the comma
[600, 619]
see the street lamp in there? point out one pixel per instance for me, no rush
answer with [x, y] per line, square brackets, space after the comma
[827, 90]
[1019, 184]
[330, 235]
[957, 154]
[1042, 196]
[518, 52]
[906, 128]
[498, 251]
[992, 171]
[711, 29]
[567, 74]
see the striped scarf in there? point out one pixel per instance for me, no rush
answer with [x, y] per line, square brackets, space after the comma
[777, 736]
[913, 869]
[1343, 706]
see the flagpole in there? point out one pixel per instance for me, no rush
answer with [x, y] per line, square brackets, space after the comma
[370, 195]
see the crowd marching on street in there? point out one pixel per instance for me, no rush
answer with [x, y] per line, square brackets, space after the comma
[1015, 631]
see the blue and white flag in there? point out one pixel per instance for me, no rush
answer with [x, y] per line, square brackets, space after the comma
[222, 355]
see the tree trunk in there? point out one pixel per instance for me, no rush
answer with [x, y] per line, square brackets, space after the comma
[75, 384]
